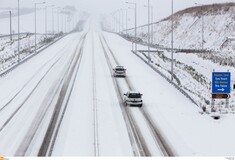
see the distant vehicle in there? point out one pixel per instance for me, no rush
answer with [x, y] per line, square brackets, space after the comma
[133, 98]
[119, 71]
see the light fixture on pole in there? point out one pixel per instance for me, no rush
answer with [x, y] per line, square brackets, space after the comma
[35, 40]
[135, 24]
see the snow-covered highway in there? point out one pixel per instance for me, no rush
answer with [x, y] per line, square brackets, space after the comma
[66, 102]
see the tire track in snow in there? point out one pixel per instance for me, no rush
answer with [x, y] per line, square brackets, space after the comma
[46, 148]
[132, 131]
[159, 139]
[96, 137]
[36, 73]
[45, 106]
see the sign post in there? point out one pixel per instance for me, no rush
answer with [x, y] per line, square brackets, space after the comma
[220, 86]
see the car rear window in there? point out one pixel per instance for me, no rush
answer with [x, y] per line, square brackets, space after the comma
[119, 69]
[134, 95]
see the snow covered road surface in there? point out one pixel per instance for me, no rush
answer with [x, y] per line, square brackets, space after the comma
[78, 138]
[36, 81]
[92, 120]
[143, 132]
[189, 132]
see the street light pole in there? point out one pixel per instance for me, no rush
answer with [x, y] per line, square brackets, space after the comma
[152, 24]
[65, 23]
[112, 22]
[135, 28]
[10, 27]
[119, 15]
[202, 26]
[58, 21]
[46, 21]
[18, 30]
[116, 18]
[62, 20]
[35, 40]
[135, 24]
[172, 36]
[202, 31]
[46, 18]
[148, 31]
[126, 21]
[10, 24]
[122, 22]
[35, 43]
[52, 11]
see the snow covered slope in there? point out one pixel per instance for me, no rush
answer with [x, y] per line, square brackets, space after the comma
[219, 26]
[193, 67]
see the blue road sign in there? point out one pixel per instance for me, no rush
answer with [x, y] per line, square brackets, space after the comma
[221, 82]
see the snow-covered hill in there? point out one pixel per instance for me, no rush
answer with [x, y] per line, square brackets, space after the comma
[63, 23]
[193, 69]
[219, 28]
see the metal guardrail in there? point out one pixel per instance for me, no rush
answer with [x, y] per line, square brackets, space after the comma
[164, 76]
[27, 58]
[161, 47]
[15, 34]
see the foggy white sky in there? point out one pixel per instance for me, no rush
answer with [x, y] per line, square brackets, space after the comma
[162, 8]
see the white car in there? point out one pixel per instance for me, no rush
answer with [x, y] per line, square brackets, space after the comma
[133, 98]
[119, 71]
